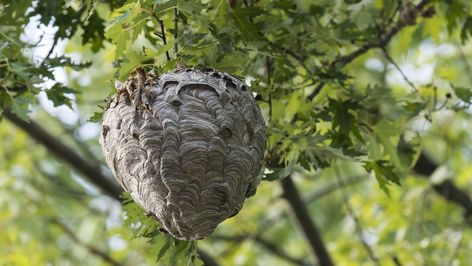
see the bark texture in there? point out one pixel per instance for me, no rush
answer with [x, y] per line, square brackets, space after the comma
[187, 145]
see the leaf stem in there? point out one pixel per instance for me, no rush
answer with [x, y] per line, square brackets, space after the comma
[176, 30]
[163, 33]
[163, 36]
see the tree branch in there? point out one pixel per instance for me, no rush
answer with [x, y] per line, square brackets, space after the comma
[91, 249]
[275, 249]
[290, 192]
[264, 243]
[384, 40]
[91, 171]
[359, 229]
[307, 225]
[333, 186]
[447, 189]
[405, 78]
[163, 35]
[424, 165]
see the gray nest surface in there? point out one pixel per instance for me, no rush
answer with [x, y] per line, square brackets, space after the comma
[187, 145]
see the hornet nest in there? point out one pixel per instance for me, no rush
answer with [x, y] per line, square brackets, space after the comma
[187, 145]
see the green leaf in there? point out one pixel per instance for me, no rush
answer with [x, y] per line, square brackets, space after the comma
[57, 95]
[18, 106]
[163, 250]
[384, 173]
[388, 134]
[96, 117]
[466, 31]
[161, 8]
[128, 23]
[248, 31]
[409, 150]
[168, 251]
[94, 30]
[465, 94]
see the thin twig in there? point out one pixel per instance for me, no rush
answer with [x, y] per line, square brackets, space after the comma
[456, 250]
[275, 249]
[51, 49]
[315, 91]
[163, 37]
[395, 12]
[390, 59]
[91, 249]
[355, 218]
[176, 30]
[269, 84]
[331, 187]
[284, 50]
[264, 243]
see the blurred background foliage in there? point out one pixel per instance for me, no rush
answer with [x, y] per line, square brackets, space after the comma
[367, 104]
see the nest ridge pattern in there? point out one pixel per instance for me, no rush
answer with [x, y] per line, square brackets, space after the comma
[187, 145]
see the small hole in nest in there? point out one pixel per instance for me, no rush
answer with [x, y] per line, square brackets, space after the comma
[168, 83]
[250, 132]
[244, 88]
[236, 211]
[162, 230]
[152, 96]
[207, 69]
[230, 83]
[249, 190]
[216, 75]
[226, 132]
[119, 124]
[135, 136]
[105, 130]
[176, 103]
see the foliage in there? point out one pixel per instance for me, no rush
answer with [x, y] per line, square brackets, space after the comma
[367, 85]
[168, 251]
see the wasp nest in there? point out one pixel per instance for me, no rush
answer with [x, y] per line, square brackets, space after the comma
[187, 145]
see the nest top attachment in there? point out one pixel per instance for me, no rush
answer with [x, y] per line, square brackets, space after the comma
[187, 145]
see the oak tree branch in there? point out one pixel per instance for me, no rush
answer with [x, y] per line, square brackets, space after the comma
[92, 171]
[447, 189]
[307, 225]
